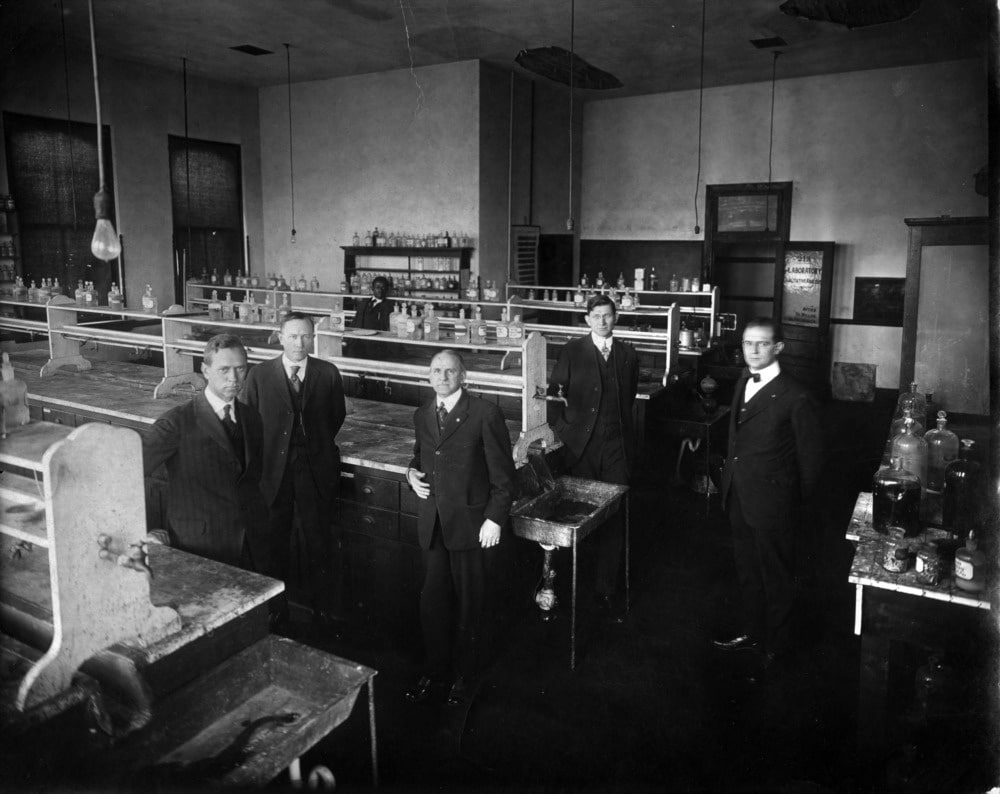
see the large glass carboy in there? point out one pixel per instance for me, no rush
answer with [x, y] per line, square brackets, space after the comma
[896, 500]
[942, 449]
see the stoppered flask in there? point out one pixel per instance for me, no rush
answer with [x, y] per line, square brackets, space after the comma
[911, 450]
[970, 566]
[896, 500]
[942, 450]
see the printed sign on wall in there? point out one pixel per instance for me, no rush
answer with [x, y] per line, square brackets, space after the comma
[802, 288]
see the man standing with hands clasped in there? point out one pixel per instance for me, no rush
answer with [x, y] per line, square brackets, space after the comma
[774, 462]
[463, 472]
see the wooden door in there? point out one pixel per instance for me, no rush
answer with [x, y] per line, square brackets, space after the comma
[803, 277]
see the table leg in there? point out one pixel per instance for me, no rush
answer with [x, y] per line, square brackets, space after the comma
[859, 591]
[572, 619]
[371, 729]
[628, 556]
[295, 773]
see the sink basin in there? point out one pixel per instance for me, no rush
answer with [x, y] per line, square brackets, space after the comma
[567, 512]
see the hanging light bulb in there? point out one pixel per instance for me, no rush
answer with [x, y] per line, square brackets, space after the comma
[105, 244]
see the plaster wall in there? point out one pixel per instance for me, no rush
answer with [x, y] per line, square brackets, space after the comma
[143, 106]
[396, 150]
[864, 150]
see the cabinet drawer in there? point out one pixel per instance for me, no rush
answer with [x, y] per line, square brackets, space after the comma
[370, 491]
[59, 417]
[370, 520]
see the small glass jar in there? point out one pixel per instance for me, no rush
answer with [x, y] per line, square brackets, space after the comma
[896, 554]
[928, 565]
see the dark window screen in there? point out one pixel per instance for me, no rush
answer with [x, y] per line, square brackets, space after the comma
[52, 169]
[206, 192]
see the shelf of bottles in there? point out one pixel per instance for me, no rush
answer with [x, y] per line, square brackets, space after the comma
[10, 255]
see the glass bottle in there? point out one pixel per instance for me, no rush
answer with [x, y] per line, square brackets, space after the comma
[654, 284]
[20, 291]
[515, 331]
[915, 401]
[356, 240]
[628, 302]
[227, 278]
[970, 566]
[911, 450]
[477, 327]
[942, 449]
[401, 319]
[897, 424]
[285, 308]
[963, 491]
[432, 324]
[461, 328]
[228, 307]
[503, 329]
[78, 293]
[600, 280]
[674, 285]
[415, 325]
[896, 500]
[149, 302]
[578, 298]
[215, 306]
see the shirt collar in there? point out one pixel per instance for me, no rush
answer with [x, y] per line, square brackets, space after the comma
[770, 372]
[218, 403]
[600, 341]
[450, 401]
[376, 301]
[289, 364]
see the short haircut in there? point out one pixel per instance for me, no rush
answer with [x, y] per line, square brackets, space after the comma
[222, 342]
[382, 280]
[450, 352]
[297, 316]
[767, 322]
[601, 300]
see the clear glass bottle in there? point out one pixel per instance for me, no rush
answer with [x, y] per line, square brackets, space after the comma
[149, 302]
[628, 302]
[915, 401]
[285, 308]
[432, 324]
[503, 329]
[215, 306]
[896, 500]
[897, 424]
[942, 449]
[674, 285]
[911, 450]
[970, 566]
[78, 293]
[477, 327]
[461, 330]
[964, 491]
[228, 307]
[515, 331]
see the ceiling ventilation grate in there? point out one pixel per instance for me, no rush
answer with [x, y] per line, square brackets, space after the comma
[250, 49]
[766, 44]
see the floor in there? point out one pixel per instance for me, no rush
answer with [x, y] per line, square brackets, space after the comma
[652, 705]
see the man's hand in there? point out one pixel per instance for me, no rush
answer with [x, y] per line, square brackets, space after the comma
[416, 480]
[489, 534]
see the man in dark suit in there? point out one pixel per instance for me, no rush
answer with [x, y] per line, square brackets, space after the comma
[374, 312]
[774, 462]
[463, 472]
[212, 450]
[301, 401]
[599, 376]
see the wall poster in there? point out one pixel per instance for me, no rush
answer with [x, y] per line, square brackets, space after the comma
[802, 288]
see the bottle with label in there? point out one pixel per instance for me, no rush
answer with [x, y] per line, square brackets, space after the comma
[515, 331]
[627, 302]
[472, 291]
[578, 297]
[241, 280]
[503, 329]
[477, 327]
[911, 450]
[285, 308]
[942, 449]
[461, 329]
[215, 306]
[896, 500]
[78, 293]
[227, 278]
[675, 283]
[964, 492]
[33, 293]
[269, 313]
[356, 240]
[228, 307]
[401, 318]
[432, 324]
[685, 336]
[149, 303]
[303, 285]
[621, 280]
[246, 311]
[20, 291]
[654, 283]
[90, 294]
[314, 284]
[338, 320]
[414, 325]
[970, 566]
[215, 276]
[599, 283]
[377, 238]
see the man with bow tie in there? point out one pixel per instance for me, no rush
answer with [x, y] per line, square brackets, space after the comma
[463, 473]
[599, 376]
[211, 449]
[773, 465]
[301, 402]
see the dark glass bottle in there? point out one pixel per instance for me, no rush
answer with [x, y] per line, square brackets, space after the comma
[964, 492]
[896, 500]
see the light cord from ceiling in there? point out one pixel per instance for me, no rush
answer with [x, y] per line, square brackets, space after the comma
[105, 244]
[291, 162]
[187, 174]
[701, 97]
[409, 51]
[572, 34]
[97, 100]
[770, 143]
[69, 124]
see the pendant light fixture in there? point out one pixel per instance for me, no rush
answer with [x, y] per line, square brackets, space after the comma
[291, 162]
[701, 97]
[105, 244]
[570, 223]
[770, 146]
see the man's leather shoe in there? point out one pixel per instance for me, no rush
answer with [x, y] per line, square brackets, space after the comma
[741, 642]
[459, 693]
[421, 690]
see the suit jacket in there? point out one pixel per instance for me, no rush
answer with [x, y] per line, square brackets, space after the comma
[323, 412]
[469, 467]
[374, 317]
[214, 503]
[577, 371]
[776, 453]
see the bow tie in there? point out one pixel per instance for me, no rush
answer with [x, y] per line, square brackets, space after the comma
[754, 376]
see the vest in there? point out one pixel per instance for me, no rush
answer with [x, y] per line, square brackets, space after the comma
[608, 413]
[298, 433]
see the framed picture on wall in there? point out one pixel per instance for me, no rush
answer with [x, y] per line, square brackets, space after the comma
[879, 301]
[749, 211]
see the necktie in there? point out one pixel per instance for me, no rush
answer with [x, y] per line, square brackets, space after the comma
[754, 376]
[231, 428]
[442, 413]
[294, 380]
[606, 350]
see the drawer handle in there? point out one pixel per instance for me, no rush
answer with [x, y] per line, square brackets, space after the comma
[367, 490]
[368, 520]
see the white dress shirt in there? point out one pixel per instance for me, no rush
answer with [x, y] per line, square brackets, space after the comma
[450, 401]
[769, 373]
[287, 364]
[601, 343]
[218, 405]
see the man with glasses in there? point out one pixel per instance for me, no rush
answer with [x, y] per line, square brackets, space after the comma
[301, 401]
[774, 462]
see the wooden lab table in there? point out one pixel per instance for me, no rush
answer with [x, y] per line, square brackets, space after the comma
[899, 620]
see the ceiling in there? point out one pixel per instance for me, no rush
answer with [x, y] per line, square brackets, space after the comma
[650, 45]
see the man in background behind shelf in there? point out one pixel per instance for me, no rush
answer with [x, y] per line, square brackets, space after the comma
[373, 313]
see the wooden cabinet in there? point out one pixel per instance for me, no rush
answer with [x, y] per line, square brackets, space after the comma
[407, 268]
[10, 246]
